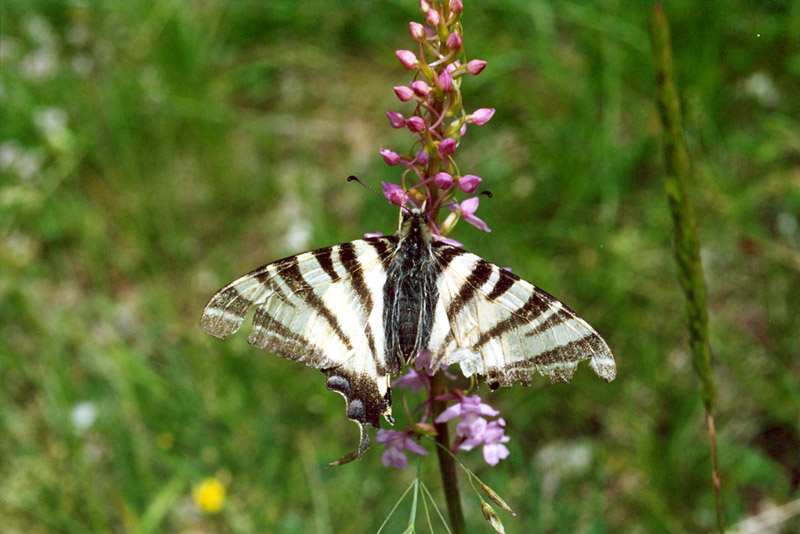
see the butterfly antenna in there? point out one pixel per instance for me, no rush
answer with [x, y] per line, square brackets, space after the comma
[352, 178]
[486, 192]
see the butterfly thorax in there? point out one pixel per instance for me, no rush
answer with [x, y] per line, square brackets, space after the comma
[410, 294]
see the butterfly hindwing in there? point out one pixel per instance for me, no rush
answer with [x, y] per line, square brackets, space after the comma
[505, 328]
[319, 308]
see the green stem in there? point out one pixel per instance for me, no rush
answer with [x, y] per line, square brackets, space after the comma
[447, 465]
[686, 244]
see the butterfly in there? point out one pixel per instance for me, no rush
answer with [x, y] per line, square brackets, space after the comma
[361, 310]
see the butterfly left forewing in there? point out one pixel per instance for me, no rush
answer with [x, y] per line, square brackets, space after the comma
[497, 325]
[319, 308]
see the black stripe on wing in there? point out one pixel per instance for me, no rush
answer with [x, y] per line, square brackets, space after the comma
[539, 317]
[324, 257]
[533, 308]
[291, 274]
[352, 265]
[480, 275]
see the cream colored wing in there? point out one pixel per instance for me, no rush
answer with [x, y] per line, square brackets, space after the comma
[323, 308]
[495, 324]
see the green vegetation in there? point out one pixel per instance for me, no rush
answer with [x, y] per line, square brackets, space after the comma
[151, 151]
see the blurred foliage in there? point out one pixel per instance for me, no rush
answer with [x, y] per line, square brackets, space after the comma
[151, 151]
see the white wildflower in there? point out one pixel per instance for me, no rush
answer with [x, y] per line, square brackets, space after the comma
[760, 86]
[10, 152]
[78, 34]
[50, 119]
[39, 30]
[39, 64]
[83, 415]
[82, 65]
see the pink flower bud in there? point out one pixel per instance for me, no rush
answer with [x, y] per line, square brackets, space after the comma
[416, 30]
[482, 116]
[420, 88]
[432, 17]
[452, 66]
[415, 124]
[453, 41]
[475, 66]
[422, 156]
[396, 119]
[443, 181]
[394, 193]
[463, 130]
[456, 6]
[424, 6]
[447, 147]
[469, 183]
[446, 81]
[404, 93]
[408, 59]
[391, 157]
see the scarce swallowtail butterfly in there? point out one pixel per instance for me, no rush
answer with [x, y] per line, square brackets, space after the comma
[362, 310]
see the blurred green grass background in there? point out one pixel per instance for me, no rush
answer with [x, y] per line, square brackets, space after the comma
[151, 151]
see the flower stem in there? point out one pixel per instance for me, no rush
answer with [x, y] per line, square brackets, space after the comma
[686, 244]
[447, 465]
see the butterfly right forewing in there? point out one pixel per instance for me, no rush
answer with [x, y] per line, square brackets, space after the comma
[506, 329]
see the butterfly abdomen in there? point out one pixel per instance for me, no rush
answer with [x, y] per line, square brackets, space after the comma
[410, 294]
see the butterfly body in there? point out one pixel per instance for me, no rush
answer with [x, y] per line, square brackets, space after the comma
[361, 310]
[410, 293]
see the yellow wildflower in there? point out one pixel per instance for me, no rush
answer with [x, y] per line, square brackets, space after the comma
[209, 495]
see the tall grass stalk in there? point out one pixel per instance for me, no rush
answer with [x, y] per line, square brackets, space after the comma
[686, 245]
